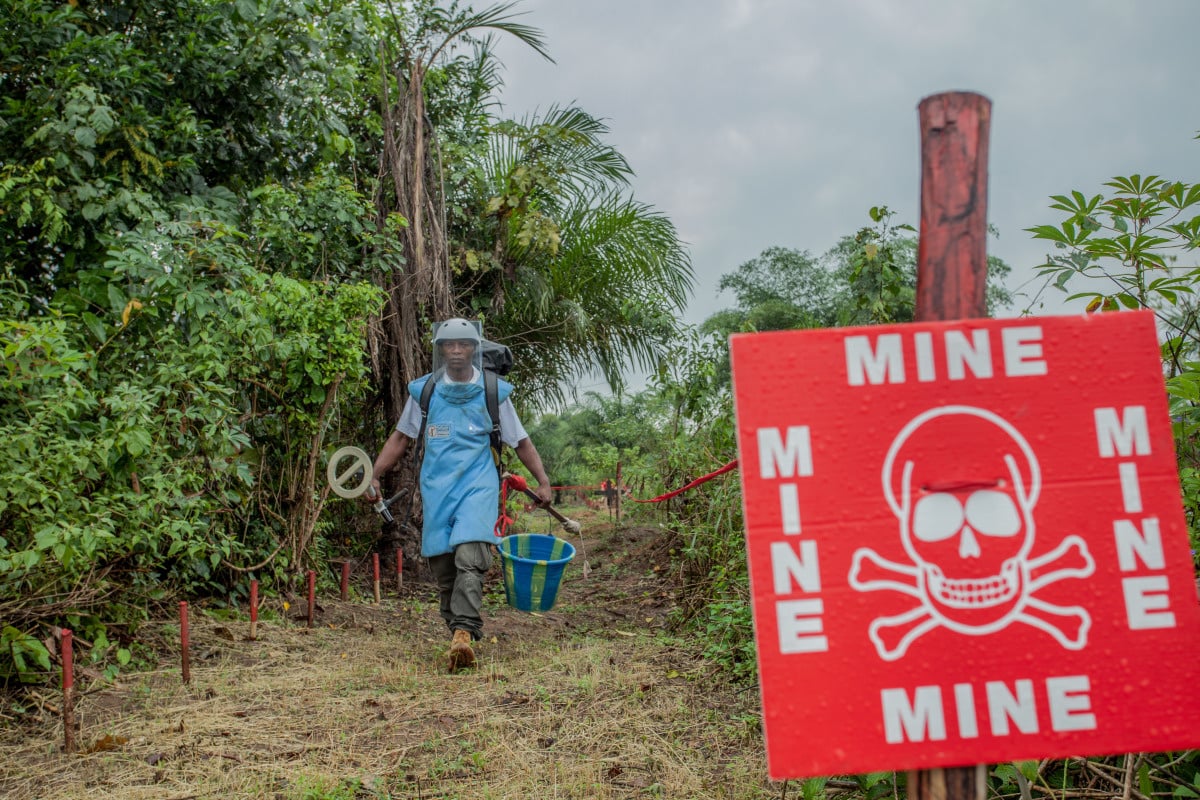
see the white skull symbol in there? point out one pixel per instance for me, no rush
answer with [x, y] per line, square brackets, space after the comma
[963, 483]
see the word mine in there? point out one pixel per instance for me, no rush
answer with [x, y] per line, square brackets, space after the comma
[1124, 434]
[882, 358]
[794, 566]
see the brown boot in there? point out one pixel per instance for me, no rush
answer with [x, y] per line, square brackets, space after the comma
[461, 654]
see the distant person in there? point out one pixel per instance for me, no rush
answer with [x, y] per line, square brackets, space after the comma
[610, 494]
[460, 485]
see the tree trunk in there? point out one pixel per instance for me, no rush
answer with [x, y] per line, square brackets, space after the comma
[420, 293]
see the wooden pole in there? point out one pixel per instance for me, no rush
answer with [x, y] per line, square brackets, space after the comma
[184, 643]
[954, 783]
[253, 610]
[618, 488]
[345, 580]
[951, 284]
[312, 595]
[399, 568]
[68, 690]
[375, 574]
[952, 250]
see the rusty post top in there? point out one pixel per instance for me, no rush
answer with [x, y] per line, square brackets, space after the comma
[952, 245]
[937, 103]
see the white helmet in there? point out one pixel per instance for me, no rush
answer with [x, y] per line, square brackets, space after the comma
[456, 328]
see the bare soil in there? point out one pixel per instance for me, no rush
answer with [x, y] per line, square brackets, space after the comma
[597, 698]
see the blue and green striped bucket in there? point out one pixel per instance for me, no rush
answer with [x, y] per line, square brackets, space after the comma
[533, 569]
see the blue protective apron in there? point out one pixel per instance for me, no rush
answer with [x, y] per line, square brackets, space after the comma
[459, 483]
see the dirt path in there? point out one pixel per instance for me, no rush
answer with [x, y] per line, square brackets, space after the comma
[595, 699]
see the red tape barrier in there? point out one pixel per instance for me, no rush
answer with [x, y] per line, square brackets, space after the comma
[517, 482]
[693, 484]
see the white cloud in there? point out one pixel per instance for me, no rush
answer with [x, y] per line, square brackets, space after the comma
[756, 123]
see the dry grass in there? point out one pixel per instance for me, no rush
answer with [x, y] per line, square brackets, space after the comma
[594, 700]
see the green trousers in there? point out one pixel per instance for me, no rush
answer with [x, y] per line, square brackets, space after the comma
[460, 585]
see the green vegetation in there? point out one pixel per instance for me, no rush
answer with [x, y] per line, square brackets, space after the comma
[226, 227]
[1134, 248]
[200, 260]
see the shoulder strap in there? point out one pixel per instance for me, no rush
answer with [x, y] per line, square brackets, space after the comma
[491, 392]
[423, 402]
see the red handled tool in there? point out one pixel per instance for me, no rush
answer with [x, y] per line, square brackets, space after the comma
[518, 483]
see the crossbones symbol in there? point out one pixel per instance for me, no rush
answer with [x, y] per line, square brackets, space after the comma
[963, 482]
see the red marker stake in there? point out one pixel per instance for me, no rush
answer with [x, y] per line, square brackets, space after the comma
[951, 281]
[375, 566]
[68, 689]
[399, 569]
[253, 610]
[312, 595]
[345, 580]
[183, 641]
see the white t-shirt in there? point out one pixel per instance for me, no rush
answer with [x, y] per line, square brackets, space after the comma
[511, 429]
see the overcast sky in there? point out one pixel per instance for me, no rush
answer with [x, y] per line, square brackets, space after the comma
[761, 123]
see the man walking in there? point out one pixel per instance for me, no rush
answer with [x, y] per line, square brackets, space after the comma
[460, 485]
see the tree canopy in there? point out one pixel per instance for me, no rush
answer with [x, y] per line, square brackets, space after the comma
[867, 277]
[226, 230]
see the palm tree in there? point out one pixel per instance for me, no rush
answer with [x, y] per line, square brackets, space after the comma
[571, 271]
[426, 36]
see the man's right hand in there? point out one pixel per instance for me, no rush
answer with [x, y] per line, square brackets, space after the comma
[393, 450]
[544, 493]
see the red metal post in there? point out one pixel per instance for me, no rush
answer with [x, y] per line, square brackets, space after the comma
[951, 284]
[184, 643]
[375, 572]
[345, 580]
[312, 595]
[68, 690]
[253, 610]
[399, 568]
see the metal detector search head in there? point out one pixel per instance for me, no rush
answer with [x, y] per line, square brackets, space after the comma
[360, 467]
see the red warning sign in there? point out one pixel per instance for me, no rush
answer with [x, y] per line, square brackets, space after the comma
[966, 543]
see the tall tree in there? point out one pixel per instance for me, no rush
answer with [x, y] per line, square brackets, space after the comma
[194, 191]
[166, 390]
[426, 36]
[570, 269]
[867, 277]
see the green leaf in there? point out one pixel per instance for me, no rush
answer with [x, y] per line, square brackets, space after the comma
[871, 778]
[95, 326]
[247, 10]
[86, 137]
[47, 538]
[116, 298]
[1128, 300]
[1144, 782]
[813, 788]
[1050, 232]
